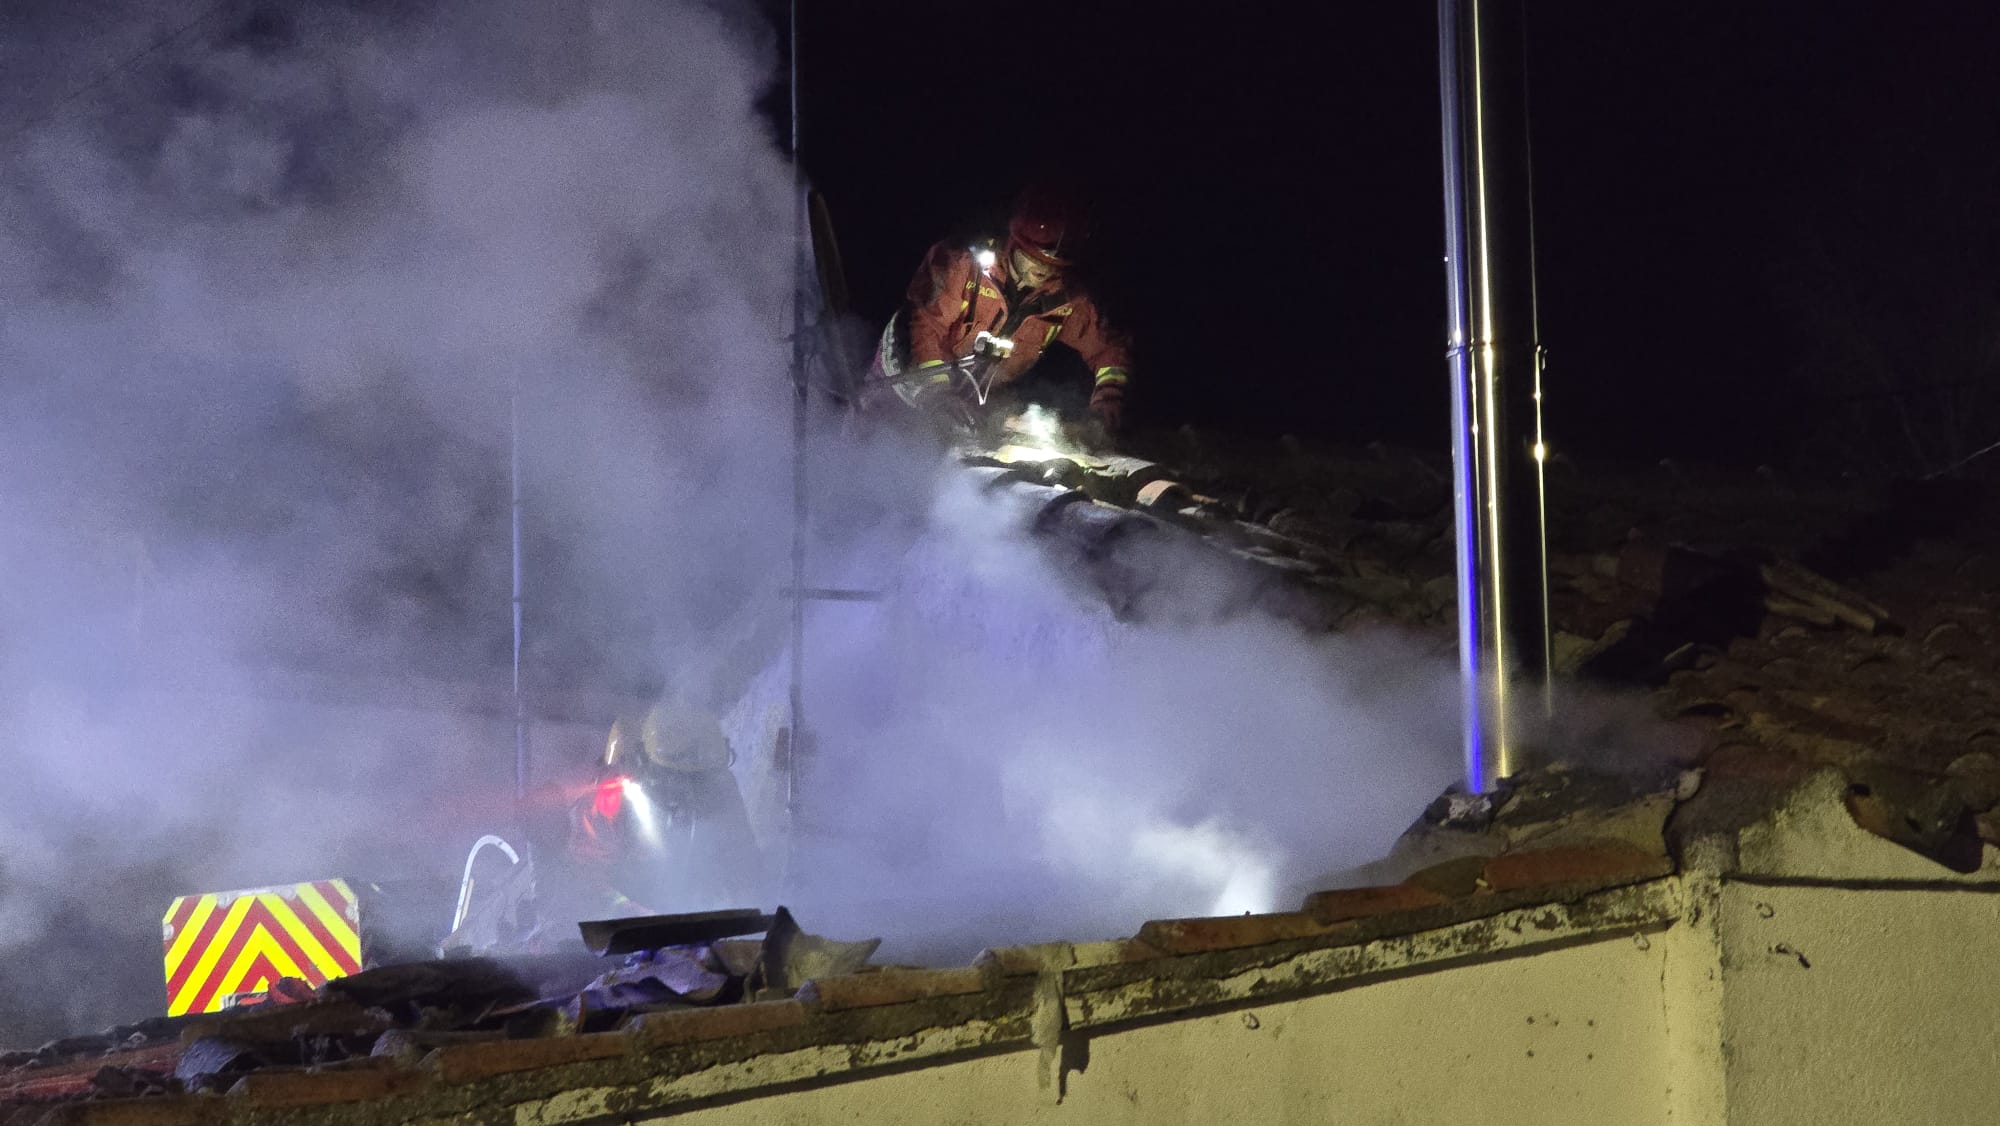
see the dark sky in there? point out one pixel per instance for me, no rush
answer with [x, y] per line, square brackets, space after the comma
[1766, 227]
[1751, 216]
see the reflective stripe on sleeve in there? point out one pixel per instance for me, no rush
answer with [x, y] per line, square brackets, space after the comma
[1112, 377]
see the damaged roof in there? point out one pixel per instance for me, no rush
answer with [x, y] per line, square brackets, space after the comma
[456, 1041]
[1796, 636]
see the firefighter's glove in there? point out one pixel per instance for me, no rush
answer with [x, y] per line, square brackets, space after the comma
[1107, 412]
[1107, 399]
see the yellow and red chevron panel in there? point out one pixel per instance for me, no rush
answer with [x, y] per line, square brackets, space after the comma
[235, 942]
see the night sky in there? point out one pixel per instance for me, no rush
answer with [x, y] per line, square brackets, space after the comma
[1764, 229]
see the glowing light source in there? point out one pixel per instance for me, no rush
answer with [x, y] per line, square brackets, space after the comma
[1036, 434]
[1541, 452]
[610, 797]
[642, 808]
[1012, 453]
[1039, 424]
[987, 344]
[985, 257]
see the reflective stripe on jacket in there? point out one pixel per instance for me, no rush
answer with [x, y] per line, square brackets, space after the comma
[951, 301]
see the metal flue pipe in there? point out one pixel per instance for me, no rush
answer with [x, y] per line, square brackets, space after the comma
[802, 264]
[514, 494]
[1495, 361]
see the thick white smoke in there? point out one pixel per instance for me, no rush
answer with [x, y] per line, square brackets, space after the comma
[268, 297]
[1005, 759]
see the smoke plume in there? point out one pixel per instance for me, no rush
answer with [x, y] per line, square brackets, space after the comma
[274, 283]
[288, 302]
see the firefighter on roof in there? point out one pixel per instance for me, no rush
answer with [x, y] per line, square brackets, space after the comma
[979, 316]
[665, 829]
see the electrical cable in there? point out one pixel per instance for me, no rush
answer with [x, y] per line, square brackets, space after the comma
[1961, 463]
[55, 108]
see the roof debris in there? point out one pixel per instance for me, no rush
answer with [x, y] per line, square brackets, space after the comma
[1829, 656]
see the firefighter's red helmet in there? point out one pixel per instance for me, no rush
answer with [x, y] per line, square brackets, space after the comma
[1048, 224]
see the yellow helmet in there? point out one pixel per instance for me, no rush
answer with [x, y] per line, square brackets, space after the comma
[622, 749]
[679, 736]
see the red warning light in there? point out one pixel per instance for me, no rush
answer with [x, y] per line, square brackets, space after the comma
[610, 797]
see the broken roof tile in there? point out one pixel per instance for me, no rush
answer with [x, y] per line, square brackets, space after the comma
[80, 1076]
[1045, 956]
[283, 1022]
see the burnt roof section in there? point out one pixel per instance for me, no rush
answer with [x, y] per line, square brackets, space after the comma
[1838, 640]
[451, 1040]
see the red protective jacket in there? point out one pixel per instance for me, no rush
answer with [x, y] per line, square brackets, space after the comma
[951, 300]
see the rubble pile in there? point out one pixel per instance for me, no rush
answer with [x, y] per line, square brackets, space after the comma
[1781, 627]
[413, 1019]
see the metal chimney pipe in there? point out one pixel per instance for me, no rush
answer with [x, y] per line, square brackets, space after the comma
[802, 266]
[514, 493]
[1495, 360]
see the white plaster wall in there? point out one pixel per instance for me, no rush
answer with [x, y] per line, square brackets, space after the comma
[1770, 1002]
[1846, 1005]
[1573, 1035]
[1692, 988]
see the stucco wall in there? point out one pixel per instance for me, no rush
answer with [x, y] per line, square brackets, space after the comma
[1711, 1001]
[1572, 1034]
[1861, 1004]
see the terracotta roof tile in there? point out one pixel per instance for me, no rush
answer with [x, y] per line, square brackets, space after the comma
[1042, 957]
[463, 1063]
[76, 1076]
[1229, 932]
[184, 1110]
[1752, 762]
[284, 1022]
[1452, 878]
[273, 1088]
[656, 1030]
[889, 987]
[1603, 866]
[1327, 907]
